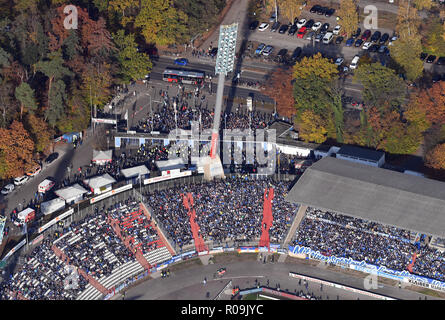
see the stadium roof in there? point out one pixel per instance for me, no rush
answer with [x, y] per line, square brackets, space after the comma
[380, 195]
[356, 152]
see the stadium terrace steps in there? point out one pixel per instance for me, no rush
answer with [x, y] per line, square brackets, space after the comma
[267, 221]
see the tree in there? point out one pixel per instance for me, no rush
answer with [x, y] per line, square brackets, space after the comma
[280, 89]
[434, 42]
[348, 16]
[317, 66]
[134, 65]
[122, 5]
[96, 38]
[381, 85]
[408, 21]
[16, 149]
[312, 128]
[25, 95]
[432, 101]
[422, 4]
[290, 9]
[435, 158]
[160, 22]
[39, 132]
[406, 52]
[96, 83]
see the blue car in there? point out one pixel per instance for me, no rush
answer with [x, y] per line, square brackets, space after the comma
[349, 42]
[181, 61]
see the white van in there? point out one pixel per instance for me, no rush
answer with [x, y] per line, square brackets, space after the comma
[328, 37]
[354, 62]
[20, 180]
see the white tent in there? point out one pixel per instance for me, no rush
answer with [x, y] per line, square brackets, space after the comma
[102, 157]
[135, 172]
[100, 184]
[71, 194]
[51, 206]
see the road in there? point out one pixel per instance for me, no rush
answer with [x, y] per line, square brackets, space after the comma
[187, 283]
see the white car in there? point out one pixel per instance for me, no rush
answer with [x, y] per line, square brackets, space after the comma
[339, 61]
[263, 26]
[393, 38]
[336, 30]
[301, 23]
[8, 189]
[316, 26]
[366, 45]
[20, 180]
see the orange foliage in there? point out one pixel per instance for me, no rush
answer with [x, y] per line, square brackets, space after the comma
[432, 101]
[280, 89]
[436, 157]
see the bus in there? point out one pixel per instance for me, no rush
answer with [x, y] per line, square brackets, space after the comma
[183, 76]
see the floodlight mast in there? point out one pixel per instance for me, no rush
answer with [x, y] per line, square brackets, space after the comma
[224, 64]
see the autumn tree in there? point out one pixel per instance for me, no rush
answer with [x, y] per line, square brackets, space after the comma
[290, 9]
[432, 101]
[316, 66]
[435, 158]
[422, 4]
[312, 127]
[16, 151]
[408, 21]
[160, 22]
[39, 132]
[280, 89]
[406, 52]
[348, 16]
[96, 83]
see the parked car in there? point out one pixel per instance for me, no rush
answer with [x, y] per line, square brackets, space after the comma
[309, 24]
[310, 35]
[268, 50]
[34, 171]
[275, 26]
[319, 36]
[374, 48]
[21, 180]
[337, 29]
[324, 27]
[339, 61]
[52, 157]
[357, 33]
[349, 42]
[329, 12]
[393, 38]
[181, 62]
[292, 30]
[354, 62]
[431, 58]
[383, 49]
[254, 25]
[358, 43]
[366, 35]
[366, 45]
[272, 18]
[339, 40]
[213, 52]
[8, 188]
[283, 28]
[296, 54]
[315, 9]
[263, 26]
[376, 36]
[282, 53]
[322, 10]
[384, 38]
[301, 32]
[316, 26]
[440, 61]
[301, 23]
[423, 56]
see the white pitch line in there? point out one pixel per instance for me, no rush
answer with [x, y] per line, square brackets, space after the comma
[239, 277]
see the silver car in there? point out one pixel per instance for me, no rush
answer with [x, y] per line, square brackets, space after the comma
[268, 50]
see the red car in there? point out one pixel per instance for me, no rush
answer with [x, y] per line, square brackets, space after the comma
[301, 32]
[366, 35]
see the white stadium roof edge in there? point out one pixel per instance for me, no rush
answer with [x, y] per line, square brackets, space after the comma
[375, 194]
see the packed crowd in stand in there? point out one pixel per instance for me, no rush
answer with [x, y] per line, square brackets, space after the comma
[229, 210]
[337, 235]
[91, 245]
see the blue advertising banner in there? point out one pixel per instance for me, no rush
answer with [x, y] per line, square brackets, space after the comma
[369, 268]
